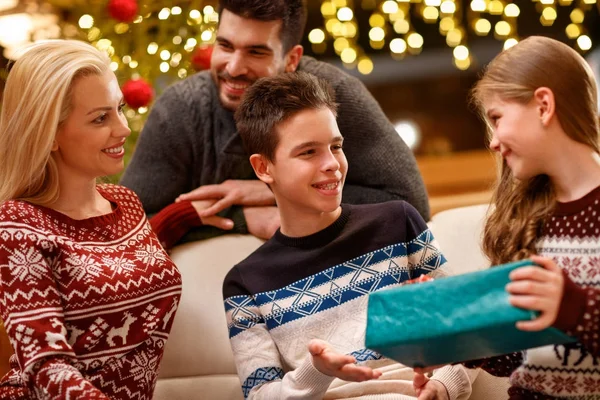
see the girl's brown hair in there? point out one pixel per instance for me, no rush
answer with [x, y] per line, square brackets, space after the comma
[522, 207]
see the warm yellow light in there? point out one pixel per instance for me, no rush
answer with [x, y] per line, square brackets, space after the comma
[478, 5]
[446, 24]
[495, 7]
[415, 40]
[195, 14]
[94, 34]
[327, 9]
[133, 64]
[376, 20]
[177, 40]
[340, 44]
[121, 28]
[448, 7]
[502, 28]
[152, 48]
[549, 14]
[345, 14]
[348, 55]
[190, 44]
[565, 2]
[206, 36]
[377, 45]
[176, 10]
[126, 59]
[589, 1]
[138, 19]
[86, 21]
[208, 10]
[396, 16]
[164, 67]
[577, 16]
[165, 55]
[316, 36]
[401, 26]
[547, 2]
[376, 34]
[114, 66]
[454, 37]
[389, 7]
[330, 24]
[508, 43]
[177, 57]
[348, 29]
[398, 46]
[512, 10]
[584, 42]
[482, 27]
[572, 31]
[339, 3]
[182, 73]
[433, 3]
[143, 110]
[365, 65]
[164, 14]
[462, 64]
[103, 44]
[461, 52]
[430, 14]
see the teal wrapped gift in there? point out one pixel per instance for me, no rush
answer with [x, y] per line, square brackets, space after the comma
[454, 319]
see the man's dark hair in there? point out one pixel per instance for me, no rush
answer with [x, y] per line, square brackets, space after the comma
[272, 100]
[292, 14]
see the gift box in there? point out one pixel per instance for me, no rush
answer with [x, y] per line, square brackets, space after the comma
[454, 319]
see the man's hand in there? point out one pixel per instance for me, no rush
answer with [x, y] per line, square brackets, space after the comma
[231, 192]
[262, 222]
[539, 289]
[429, 389]
[331, 363]
[213, 220]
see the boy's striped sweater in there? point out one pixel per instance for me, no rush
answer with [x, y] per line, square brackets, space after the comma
[292, 290]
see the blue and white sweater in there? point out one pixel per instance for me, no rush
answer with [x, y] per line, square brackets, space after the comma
[292, 290]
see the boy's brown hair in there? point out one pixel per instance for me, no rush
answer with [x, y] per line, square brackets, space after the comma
[272, 100]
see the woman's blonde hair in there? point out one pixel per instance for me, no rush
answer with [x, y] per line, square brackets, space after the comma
[36, 101]
[522, 207]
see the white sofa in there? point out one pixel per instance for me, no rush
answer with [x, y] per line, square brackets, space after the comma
[198, 362]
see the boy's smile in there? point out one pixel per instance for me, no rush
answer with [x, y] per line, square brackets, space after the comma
[308, 172]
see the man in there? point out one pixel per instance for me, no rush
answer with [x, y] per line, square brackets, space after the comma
[190, 142]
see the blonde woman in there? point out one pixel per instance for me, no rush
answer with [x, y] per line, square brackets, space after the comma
[539, 99]
[87, 294]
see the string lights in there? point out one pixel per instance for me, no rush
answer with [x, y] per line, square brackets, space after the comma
[390, 25]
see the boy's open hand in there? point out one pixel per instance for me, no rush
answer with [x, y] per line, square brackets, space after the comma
[539, 289]
[331, 363]
[429, 389]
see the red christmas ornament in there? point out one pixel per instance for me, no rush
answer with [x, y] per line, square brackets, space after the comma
[123, 10]
[201, 58]
[137, 93]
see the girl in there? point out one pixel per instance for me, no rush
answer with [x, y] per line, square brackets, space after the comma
[87, 294]
[539, 100]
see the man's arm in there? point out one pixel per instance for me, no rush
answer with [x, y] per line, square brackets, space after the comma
[163, 162]
[381, 166]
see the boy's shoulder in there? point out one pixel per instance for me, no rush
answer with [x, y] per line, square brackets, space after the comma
[393, 210]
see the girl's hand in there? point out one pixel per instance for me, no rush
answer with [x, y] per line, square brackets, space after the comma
[538, 289]
[332, 363]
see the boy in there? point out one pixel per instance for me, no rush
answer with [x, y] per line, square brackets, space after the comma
[296, 307]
